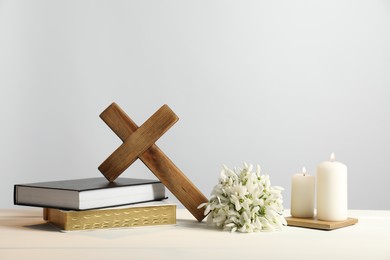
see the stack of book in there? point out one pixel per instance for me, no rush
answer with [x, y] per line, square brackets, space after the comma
[95, 203]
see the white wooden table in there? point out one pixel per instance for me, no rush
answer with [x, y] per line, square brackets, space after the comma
[24, 235]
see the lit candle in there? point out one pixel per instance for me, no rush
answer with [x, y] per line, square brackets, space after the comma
[332, 202]
[302, 195]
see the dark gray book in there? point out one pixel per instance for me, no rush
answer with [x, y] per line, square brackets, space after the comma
[90, 193]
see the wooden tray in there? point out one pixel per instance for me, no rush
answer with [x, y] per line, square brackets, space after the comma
[319, 224]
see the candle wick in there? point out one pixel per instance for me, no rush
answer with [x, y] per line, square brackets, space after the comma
[304, 171]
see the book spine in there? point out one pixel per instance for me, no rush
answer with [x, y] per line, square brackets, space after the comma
[55, 217]
[15, 197]
[116, 218]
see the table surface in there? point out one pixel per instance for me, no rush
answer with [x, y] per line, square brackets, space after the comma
[23, 234]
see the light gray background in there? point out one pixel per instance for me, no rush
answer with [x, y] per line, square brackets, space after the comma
[276, 83]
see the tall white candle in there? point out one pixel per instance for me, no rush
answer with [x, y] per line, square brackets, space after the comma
[302, 195]
[332, 202]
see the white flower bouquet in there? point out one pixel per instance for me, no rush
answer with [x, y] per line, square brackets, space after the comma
[245, 201]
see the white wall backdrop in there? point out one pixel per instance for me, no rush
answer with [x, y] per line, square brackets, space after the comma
[276, 83]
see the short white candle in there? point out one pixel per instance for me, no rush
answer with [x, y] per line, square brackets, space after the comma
[302, 195]
[332, 202]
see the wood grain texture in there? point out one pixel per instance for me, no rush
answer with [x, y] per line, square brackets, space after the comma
[164, 169]
[138, 142]
[319, 224]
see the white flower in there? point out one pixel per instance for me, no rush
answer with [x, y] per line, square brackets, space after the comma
[245, 201]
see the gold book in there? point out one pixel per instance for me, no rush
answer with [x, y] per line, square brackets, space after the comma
[145, 214]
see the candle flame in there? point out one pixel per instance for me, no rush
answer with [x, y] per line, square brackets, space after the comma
[304, 171]
[332, 158]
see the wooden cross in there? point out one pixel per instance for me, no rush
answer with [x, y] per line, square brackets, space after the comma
[138, 142]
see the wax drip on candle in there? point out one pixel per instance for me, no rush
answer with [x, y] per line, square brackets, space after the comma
[304, 171]
[332, 158]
